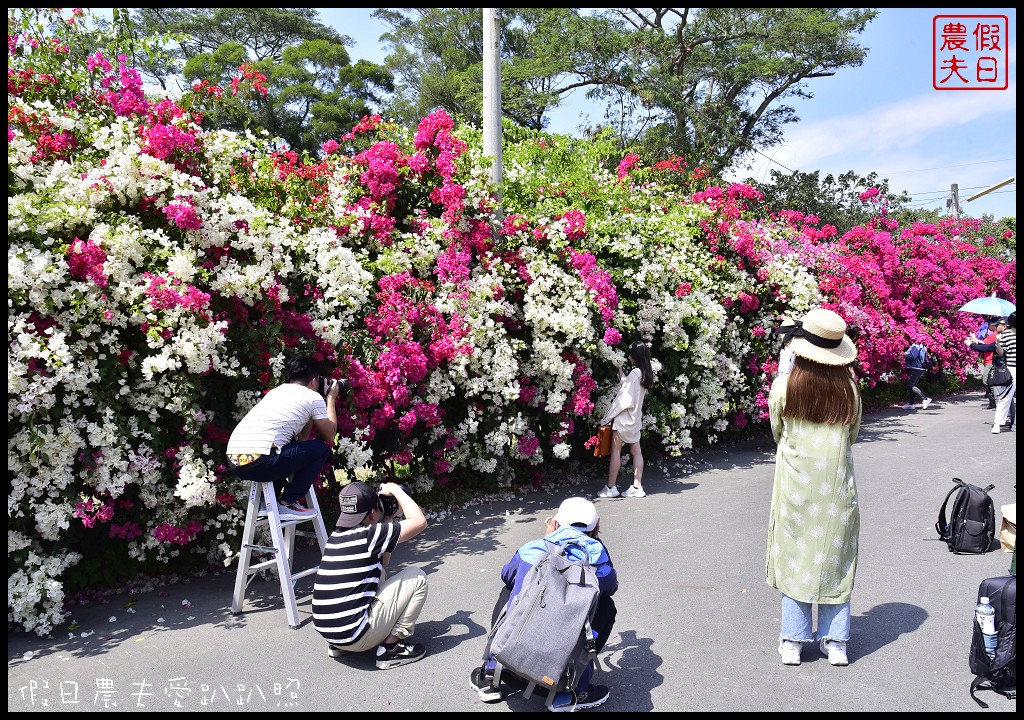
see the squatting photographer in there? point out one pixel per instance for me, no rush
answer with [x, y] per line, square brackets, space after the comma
[272, 441]
[357, 606]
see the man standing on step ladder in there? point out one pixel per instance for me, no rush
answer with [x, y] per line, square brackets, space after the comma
[272, 441]
[357, 606]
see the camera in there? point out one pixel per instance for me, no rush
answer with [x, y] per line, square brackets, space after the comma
[325, 384]
[389, 504]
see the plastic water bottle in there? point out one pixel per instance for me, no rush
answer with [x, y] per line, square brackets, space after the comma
[985, 614]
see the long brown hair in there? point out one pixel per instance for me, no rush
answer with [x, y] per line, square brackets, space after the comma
[821, 393]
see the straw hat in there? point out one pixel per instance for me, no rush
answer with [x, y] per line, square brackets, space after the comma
[821, 337]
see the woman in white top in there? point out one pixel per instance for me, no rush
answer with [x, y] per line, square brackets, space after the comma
[626, 419]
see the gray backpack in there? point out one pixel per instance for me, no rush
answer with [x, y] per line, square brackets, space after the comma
[545, 635]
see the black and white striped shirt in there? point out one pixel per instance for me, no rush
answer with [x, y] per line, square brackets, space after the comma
[1007, 339]
[349, 578]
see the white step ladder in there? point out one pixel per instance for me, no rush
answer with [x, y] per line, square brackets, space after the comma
[282, 534]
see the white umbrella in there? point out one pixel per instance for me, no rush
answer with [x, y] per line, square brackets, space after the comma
[989, 306]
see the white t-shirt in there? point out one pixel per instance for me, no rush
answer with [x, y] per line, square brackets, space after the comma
[276, 419]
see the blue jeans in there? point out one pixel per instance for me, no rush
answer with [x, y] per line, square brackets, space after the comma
[302, 459]
[833, 621]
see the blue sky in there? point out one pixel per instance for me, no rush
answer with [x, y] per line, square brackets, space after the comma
[884, 116]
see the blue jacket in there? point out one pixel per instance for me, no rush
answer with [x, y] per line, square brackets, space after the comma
[915, 356]
[572, 539]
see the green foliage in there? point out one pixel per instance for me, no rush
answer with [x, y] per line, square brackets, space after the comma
[314, 92]
[711, 84]
[707, 84]
[835, 200]
[436, 55]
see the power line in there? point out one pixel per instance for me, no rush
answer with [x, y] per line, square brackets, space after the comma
[946, 191]
[949, 167]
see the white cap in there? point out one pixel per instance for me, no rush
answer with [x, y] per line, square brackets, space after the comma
[579, 512]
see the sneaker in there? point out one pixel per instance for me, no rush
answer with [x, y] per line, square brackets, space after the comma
[294, 511]
[609, 492]
[790, 652]
[484, 688]
[996, 429]
[835, 651]
[926, 403]
[334, 651]
[634, 491]
[909, 406]
[573, 700]
[401, 653]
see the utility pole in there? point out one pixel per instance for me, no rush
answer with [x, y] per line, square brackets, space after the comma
[954, 200]
[492, 97]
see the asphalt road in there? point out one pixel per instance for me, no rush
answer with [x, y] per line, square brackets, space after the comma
[697, 626]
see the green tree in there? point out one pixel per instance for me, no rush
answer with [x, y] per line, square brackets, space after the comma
[836, 200]
[708, 84]
[314, 92]
[436, 55]
[712, 84]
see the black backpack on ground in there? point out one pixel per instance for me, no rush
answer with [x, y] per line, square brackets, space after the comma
[1000, 674]
[971, 528]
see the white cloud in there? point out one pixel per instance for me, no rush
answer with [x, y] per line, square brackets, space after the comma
[899, 126]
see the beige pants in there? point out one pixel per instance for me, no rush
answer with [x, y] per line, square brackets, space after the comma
[395, 609]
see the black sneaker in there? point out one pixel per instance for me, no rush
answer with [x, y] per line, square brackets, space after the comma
[401, 653]
[573, 700]
[482, 682]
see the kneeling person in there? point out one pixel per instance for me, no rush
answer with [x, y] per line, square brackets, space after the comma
[576, 528]
[356, 606]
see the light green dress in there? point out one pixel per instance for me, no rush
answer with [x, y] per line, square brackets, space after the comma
[815, 518]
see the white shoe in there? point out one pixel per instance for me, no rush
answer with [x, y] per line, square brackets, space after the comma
[909, 406]
[609, 492]
[634, 491]
[835, 651]
[996, 429]
[790, 652]
[294, 512]
[926, 403]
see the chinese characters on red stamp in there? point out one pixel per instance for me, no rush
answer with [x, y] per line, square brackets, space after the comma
[970, 52]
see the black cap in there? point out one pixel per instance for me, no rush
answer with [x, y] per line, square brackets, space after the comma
[356, 499]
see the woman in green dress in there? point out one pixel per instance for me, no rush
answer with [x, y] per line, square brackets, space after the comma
[815, 414]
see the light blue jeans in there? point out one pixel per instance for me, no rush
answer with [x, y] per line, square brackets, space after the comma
[833, 621]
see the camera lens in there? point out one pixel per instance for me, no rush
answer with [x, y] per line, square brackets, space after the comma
[326, 383]
[388, 505]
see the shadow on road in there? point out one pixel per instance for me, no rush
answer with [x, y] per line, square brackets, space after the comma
[884, 624]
